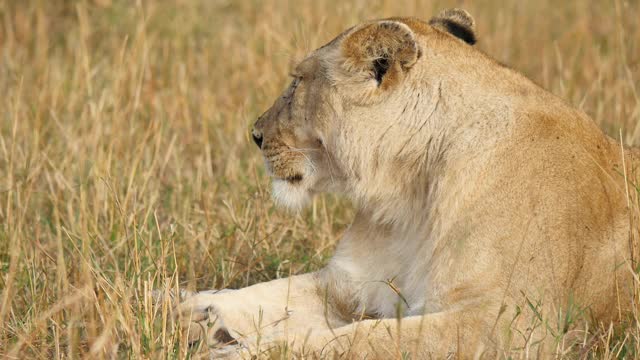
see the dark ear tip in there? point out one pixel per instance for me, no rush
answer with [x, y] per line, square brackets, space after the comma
[458, 23]
[459, 16]
[460, 32]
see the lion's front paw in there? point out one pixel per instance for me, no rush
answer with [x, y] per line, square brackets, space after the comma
[202, 318]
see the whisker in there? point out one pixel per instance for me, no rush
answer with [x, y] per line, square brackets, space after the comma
[292, 149]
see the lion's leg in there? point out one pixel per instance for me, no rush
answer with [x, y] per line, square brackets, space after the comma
[437, 336]
[276, 309]
[475, 331]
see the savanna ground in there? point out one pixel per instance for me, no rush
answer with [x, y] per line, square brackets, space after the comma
[126, 162]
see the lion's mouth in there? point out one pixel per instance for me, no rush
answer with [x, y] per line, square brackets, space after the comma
[291, 179]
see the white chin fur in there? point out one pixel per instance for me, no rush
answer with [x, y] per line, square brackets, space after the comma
[292, 196]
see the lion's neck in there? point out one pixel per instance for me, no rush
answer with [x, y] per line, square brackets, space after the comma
[399, 176]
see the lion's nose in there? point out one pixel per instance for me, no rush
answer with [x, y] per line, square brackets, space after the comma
[257, 138]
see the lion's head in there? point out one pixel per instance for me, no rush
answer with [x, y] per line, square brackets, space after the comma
[365, 115]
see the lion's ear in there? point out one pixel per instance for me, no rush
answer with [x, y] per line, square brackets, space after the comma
[385, 49]
[458, 23]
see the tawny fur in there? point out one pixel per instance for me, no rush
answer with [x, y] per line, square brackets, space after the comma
[487, 207]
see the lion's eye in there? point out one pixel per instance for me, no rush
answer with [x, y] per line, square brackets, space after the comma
[292, 88]
[295, 76]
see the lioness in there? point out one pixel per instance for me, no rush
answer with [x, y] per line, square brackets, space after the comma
[492, 217]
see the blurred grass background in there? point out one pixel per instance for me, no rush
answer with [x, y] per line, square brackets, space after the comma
[126, 163]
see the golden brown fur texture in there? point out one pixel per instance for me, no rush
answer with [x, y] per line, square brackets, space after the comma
[492, 217]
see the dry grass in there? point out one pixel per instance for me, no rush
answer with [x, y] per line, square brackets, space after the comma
[126, 164]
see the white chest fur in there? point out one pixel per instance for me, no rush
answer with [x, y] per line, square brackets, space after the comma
[384, 273]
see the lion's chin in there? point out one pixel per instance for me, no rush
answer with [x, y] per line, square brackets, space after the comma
[293, 195]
